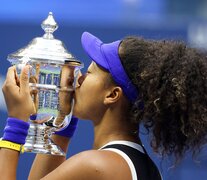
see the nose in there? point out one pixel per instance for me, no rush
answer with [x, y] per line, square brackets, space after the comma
[81, 79]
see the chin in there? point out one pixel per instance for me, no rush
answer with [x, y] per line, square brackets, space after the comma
[79, 114]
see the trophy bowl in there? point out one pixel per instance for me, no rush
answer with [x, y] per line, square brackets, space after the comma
[52, 79]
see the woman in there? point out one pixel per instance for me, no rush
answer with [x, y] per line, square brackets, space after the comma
[161, 84]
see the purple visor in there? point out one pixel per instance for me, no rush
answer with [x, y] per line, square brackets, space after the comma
[106, 56]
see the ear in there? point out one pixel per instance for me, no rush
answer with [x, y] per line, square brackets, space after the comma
[113, 95]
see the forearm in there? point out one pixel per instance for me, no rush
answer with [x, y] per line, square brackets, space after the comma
[44, 164]
[8, 163]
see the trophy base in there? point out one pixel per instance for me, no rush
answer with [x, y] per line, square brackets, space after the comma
[50, 148]
[38, 141]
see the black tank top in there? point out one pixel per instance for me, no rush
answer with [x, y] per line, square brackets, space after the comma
[141, 165]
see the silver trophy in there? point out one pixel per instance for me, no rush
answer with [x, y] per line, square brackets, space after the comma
[53, 76]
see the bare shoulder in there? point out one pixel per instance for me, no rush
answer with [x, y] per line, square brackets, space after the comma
[93, 164]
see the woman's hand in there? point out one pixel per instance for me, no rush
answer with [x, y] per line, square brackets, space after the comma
[17, 94]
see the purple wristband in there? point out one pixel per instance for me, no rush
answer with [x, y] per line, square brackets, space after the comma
[16, 130]
[70, 129]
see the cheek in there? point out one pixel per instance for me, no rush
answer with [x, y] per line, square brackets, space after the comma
[90, 88]
[89, 101]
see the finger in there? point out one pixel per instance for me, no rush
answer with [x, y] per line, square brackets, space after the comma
[24, 79]
[11, 77]
[17, 77]
[67, 76]
[80, 74]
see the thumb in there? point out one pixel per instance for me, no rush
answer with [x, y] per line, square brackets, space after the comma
[24, 79]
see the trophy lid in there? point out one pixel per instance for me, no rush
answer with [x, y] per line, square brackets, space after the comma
[45, 49]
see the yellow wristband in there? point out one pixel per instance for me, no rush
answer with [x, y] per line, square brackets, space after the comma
[11, 145]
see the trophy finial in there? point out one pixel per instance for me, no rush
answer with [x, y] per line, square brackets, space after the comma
[49, 25]
[45, 49]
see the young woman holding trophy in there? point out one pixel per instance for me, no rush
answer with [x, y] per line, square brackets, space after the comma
[162, 84]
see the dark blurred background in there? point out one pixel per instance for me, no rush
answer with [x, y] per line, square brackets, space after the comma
[110, 20]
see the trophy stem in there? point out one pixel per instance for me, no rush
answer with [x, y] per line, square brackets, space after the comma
[38, 140]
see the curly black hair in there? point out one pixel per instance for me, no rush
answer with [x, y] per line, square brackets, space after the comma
[172, 82]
